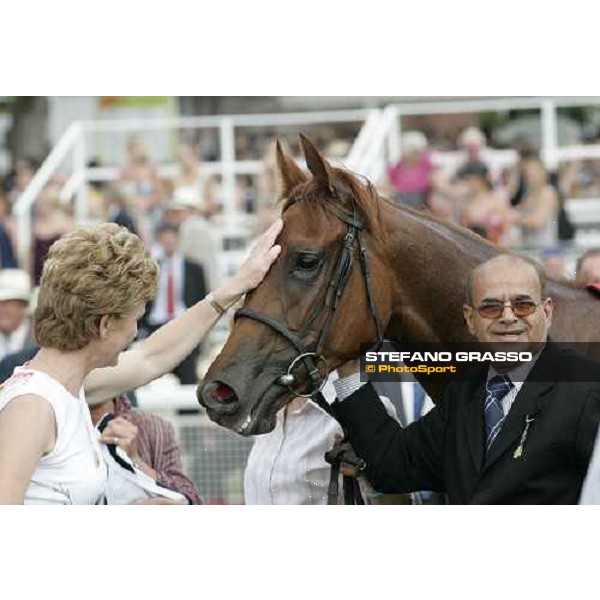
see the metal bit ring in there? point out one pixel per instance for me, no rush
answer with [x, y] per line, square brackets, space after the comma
[284, 379]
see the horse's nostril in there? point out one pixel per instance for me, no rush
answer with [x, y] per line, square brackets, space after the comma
[223, 393]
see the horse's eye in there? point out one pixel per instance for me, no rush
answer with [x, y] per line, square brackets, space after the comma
[308, 262]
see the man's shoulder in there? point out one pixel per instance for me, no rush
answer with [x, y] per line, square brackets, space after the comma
[571, 361]
[192, 265]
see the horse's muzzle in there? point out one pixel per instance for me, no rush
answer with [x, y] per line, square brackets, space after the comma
[219, 397]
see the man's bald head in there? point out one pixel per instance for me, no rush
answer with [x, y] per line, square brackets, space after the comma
[500, 261]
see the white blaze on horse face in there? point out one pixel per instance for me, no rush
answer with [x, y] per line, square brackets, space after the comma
[504, 279]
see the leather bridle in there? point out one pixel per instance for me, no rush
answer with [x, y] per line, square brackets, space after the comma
[311, 356]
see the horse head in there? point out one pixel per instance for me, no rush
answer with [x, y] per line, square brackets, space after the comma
[319, 302]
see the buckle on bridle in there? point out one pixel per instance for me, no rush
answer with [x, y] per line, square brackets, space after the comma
[289, 378]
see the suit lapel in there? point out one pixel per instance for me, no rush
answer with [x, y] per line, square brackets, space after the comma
[472, 409]
[529, 402]
[473, 418]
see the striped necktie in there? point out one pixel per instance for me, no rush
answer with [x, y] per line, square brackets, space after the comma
[497, 387]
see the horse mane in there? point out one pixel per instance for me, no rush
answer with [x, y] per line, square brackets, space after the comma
[349, 193]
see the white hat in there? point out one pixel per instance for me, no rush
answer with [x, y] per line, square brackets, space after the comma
[15, 284]
[184, 198]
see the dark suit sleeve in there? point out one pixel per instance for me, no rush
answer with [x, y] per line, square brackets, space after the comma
[398, 460]
[587, 427]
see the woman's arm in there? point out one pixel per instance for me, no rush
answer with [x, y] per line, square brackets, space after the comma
[27, 431]
[170, 344]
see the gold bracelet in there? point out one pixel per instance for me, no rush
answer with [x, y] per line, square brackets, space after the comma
[213, 302]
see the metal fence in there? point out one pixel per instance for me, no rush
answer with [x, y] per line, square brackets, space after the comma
[213, 457]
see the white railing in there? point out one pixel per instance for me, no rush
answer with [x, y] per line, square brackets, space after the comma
[385, 148]
[22, 208]
[377, 144]
[213, 457]
[75, 142]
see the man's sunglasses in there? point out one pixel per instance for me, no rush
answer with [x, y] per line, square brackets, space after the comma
[521, 308]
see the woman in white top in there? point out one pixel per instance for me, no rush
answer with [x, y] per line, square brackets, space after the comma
[94, 287]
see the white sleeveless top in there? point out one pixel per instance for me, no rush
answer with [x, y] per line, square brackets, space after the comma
[74, 472]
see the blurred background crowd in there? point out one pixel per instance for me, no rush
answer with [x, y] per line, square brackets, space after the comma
[485, 170]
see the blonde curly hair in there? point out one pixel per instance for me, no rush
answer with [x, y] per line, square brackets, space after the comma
[90, 272]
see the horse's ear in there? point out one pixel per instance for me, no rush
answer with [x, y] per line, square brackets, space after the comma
[290, 173]
[317, 164]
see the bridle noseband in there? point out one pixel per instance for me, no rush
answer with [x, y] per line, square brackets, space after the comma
[307, 355]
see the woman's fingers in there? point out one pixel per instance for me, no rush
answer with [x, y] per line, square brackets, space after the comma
[267, 239]
[274, 252]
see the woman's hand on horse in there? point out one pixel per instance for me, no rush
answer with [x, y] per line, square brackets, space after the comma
[256, 266]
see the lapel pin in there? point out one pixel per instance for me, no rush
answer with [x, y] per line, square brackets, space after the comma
[519, 451]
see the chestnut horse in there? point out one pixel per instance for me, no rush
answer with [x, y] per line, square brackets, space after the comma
[321, 297]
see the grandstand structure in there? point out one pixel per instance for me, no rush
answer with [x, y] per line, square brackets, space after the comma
[215, 458]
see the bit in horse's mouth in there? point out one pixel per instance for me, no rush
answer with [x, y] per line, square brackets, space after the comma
[264, 409]
[242, 428]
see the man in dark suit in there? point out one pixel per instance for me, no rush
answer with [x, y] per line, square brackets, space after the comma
[521, 435]
[181, 285]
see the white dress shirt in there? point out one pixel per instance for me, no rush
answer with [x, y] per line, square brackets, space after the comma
[408, 402]
[287, 466]
[518, 377]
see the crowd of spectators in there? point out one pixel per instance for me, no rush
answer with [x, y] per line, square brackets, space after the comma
[175, 216]
[520, 206]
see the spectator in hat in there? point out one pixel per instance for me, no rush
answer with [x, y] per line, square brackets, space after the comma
[16, 331]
